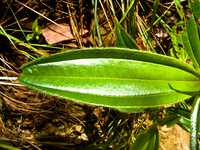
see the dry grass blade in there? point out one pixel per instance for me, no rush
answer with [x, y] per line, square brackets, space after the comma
[74, 27]
[38, 13]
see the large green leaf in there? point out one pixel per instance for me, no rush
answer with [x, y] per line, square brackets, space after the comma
[113, 77]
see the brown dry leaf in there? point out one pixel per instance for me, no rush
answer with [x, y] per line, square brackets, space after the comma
[54, 34]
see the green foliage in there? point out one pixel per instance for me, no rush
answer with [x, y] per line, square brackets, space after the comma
[190, 37]
[92, 76]
[123, 39]
[153, 17]
[178, 51]
[36, 31]
[179, 8]
[147, 140]
[7, 146]
[128, 80]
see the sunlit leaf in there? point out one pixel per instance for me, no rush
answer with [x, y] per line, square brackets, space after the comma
[35, 25]
[113, 77]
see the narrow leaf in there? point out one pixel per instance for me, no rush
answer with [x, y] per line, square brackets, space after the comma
[191, 41]
[155, 6]
[169, 120]
[6, 145]
[123, 39]
[119, 40]
[148, 140]
[179, 8]
[195, 4]
[185, 115]
[113, 77]
[194, 145]
[35, 25]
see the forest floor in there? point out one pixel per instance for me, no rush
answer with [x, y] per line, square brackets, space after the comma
[31, 120]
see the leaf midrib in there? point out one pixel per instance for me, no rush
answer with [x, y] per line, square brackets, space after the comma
[107, 78]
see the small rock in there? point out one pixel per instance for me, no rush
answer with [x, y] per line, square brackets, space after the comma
[84, 137]
[79, 128]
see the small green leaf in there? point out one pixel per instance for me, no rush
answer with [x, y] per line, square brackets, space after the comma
[40, 32]
[179, 8]
[37, 37]
[30, 36]
[37, 30]
[35, 24]
[178, 51]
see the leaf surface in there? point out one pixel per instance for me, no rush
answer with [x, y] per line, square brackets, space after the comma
[113, 77]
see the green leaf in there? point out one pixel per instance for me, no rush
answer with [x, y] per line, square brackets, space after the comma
[155, 6]
[178, 51]
[123, 39]
[30, 36]
[148, 140]
[37, 30]
[195, 4]
[191, 41]
[113, 77]
[179, 8]
[179, 111]
[40, 31]
[7, 146]
[194, 120]
[37, 37]
[169, 120]
[35, 24]
[185, 114]
[184, 122]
